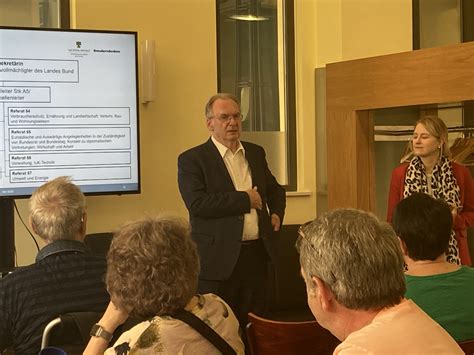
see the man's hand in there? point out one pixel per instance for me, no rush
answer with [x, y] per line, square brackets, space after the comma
[276, 223]
[255, 199]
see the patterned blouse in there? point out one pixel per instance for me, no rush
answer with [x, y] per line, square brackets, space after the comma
[166, 335]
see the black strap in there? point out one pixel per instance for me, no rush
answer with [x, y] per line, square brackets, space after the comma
[205, 330]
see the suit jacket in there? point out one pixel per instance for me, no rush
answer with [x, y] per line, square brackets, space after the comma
[216, 209]
[463, 220]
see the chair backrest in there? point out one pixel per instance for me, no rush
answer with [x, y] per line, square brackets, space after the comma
[71, 331]
[99, 243]
[267, 337]
[287, 290]
[467, 346]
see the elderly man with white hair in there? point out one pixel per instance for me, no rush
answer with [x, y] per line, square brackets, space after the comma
[65, 276]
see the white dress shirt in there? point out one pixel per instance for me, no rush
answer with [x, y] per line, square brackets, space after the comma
[238, 168]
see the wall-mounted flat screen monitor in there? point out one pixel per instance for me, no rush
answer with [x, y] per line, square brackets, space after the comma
[69, 107]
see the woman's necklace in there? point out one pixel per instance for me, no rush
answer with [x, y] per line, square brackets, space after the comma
[430, 267]
[430, 162]
[428, 262]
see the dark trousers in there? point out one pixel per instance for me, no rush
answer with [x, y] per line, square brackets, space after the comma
[245, 290]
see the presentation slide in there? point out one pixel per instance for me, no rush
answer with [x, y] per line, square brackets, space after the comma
[68, 104]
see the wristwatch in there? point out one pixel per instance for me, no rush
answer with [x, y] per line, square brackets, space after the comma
[98, 331]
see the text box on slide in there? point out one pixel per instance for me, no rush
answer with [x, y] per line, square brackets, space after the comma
[25, 94]
[39, 70]
[80, 174]
[69, 159]
[68, 115]
[61, 139]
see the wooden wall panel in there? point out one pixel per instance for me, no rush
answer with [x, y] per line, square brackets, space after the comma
[365, 161]
[341, 155]
[351, 180]
[441, 74]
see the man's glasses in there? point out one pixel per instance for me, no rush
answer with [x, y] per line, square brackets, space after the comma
[226, 118]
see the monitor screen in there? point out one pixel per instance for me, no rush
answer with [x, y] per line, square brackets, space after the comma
[69, 107]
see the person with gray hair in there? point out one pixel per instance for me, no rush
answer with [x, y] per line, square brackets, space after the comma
[353, 269]
[58, 211]
[152, 274]
[65, 276]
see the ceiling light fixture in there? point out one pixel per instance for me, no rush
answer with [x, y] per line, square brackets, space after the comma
[248, 18]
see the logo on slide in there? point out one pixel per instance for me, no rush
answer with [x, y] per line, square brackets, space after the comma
[78, 51]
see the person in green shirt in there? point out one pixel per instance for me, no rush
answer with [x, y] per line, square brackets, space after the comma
[443, 290]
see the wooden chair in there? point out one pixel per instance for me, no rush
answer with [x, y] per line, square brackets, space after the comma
[467, 346]
[267, 337]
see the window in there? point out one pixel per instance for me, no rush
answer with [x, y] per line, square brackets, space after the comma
[40, 13]
[256, 63]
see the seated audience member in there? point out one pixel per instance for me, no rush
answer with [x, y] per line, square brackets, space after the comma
[443, 290]
[152, 273]
[353, 269]
[65, 276]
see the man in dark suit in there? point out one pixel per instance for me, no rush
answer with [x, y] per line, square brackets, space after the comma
[236, 208]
